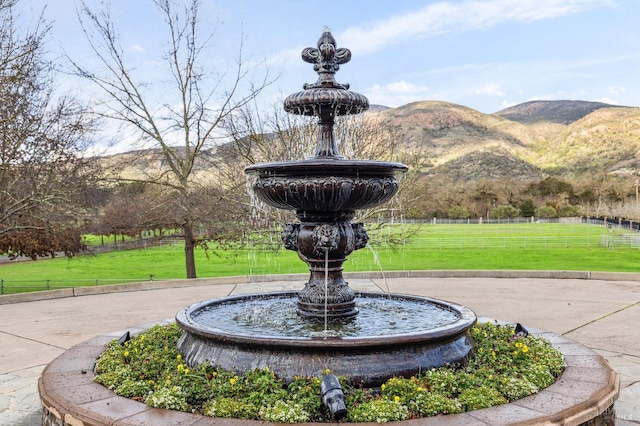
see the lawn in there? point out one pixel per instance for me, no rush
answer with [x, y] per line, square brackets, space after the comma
[513, 246]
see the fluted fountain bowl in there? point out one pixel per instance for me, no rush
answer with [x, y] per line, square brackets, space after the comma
[321, 185]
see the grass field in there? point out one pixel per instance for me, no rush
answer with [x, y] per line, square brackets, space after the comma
[536, 246]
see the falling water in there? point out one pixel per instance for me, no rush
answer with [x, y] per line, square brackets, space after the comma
[326, 289]
[377, 262]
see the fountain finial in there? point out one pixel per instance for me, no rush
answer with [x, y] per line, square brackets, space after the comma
[325, 98]
[326, 60]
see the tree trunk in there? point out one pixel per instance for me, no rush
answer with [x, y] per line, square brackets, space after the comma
[189, 250]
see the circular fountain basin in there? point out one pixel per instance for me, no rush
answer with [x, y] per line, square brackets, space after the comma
[393, 335]
[325, 185]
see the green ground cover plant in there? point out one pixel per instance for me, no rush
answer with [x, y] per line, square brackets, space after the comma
[505, 367]
[534, 246]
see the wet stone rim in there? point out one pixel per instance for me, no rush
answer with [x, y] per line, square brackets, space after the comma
[585, 392]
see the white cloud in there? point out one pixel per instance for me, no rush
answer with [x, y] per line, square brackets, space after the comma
[606, 101]
[616, 90]
[491, 89]
[396, 94]
[137, 48]
[506, 104]
[450, 16]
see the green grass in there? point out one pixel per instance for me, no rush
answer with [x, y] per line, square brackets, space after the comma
[580, 247]
[465, 247]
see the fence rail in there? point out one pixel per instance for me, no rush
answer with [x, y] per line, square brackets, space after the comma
[530, 242]
[23, 286]
[608, 233]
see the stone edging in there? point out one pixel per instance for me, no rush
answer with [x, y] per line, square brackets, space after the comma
[585, 392]
[154, 285]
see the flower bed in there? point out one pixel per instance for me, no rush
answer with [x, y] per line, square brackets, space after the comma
[506, 367]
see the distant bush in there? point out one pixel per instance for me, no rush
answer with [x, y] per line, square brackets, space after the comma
[546, 212]
[504, 212]
[458, 212]
[527, 208]
[569, 211]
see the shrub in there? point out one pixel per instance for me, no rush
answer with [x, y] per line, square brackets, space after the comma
[527, 208]
[378, 410]
[515, 388]
[482, 397]
[546, 212]
[504, 212]
[229, 408]
[284, 412]
[169, 398]
[444, 381]
[458, 212]
[569, 211]
[427, 404]
[130, 388]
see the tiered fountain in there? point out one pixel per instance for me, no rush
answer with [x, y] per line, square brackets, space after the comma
[367, 337]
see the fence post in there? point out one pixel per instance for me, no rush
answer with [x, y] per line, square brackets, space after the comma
[1, 286]
[48, 287]
[96, 281]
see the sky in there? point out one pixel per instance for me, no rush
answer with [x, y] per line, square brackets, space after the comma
[483, 54]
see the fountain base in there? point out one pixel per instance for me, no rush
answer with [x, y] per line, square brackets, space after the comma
[362, 356]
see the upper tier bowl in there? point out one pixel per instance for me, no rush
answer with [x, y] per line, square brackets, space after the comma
[325, 185]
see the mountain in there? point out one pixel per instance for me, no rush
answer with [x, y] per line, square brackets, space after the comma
[523, 142]
[463, 142]
[606, 140]
[562, 112]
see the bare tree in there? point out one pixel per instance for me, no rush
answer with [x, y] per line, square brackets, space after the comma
[180, 122]
[42, 171]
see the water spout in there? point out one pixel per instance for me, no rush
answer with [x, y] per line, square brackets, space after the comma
[333, 396]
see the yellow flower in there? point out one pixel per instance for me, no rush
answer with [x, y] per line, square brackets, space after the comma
[126, 353]
[396, 398]
[382, 386]
[178, 357]
[186, 371]
[233, 380]
[518, 344]
[327, 371]
[525, 349]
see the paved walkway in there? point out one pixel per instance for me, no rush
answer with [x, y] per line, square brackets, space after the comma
[601, 314]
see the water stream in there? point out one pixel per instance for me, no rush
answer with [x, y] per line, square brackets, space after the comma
[326, 289]
[376, 260]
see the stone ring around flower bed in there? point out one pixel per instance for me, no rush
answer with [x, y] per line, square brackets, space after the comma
[583, 394]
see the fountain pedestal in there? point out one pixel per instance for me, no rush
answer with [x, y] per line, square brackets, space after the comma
[324, 246]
